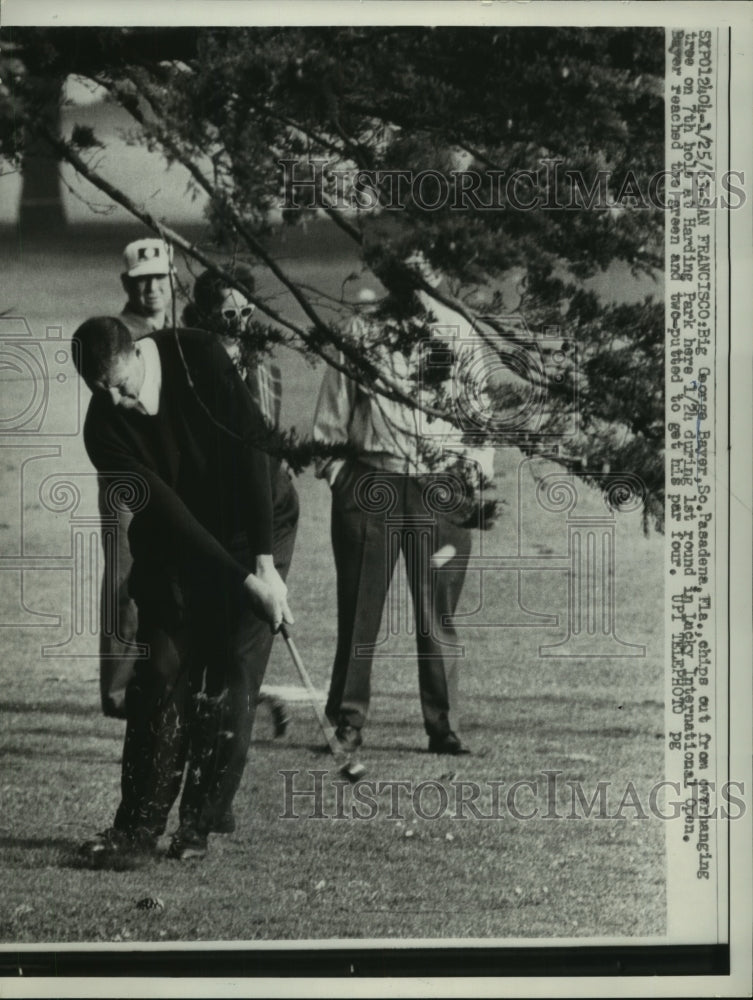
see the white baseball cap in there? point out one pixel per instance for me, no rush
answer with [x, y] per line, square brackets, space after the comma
[150, 256]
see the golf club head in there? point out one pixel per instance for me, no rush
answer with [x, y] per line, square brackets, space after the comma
[353, 771]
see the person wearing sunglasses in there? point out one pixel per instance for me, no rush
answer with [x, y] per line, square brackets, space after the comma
[226, 312]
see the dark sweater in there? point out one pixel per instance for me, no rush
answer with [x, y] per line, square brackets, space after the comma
[209, 505]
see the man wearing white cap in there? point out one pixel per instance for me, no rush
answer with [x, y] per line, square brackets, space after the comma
[146, 281]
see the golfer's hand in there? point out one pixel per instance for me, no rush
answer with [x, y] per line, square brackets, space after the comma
[267, 573]
[265, 604]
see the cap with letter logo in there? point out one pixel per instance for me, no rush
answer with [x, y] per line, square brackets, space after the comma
[150, 256]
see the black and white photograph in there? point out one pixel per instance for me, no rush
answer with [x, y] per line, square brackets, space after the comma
[375, 509]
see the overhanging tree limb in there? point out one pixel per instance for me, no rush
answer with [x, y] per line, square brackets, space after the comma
[381, 384]
[408, 99]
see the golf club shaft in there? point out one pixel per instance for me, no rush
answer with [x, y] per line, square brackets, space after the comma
[324, 723]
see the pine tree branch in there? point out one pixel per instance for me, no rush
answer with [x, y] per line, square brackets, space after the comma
[367, 372]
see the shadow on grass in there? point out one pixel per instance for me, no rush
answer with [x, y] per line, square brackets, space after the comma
[507, 729]
[83, 758]
[324, 752]
[48, 708]
[63, 730]
[35, 853]
[543, 699]
[76, 859]
[37, 843]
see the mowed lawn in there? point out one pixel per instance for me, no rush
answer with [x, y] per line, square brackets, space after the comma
[331, 875]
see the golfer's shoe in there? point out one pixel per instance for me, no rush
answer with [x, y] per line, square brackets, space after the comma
[280, 715]
[187, 843]
[114, 845]
[349, 738]
[447, 744]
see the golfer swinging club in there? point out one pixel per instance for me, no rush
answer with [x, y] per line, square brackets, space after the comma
[172, 413]
[147, 265]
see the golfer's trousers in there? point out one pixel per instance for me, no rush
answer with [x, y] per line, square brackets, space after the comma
[375, 516]
[118, 615]
[192, 702]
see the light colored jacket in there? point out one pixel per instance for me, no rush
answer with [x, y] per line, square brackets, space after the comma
[393, 436]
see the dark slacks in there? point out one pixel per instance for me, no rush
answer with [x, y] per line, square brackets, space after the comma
[192, 701]
[375, 516]
[118, 615]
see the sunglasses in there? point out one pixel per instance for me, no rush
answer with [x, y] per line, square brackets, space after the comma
[245, 312]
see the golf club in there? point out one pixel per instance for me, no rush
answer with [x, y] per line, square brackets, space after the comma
[347, 766]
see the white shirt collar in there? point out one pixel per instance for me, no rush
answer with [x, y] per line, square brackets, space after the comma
[150, 390]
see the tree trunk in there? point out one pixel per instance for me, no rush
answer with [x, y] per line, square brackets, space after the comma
[41, 212]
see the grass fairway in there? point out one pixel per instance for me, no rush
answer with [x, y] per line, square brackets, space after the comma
[333, 876]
